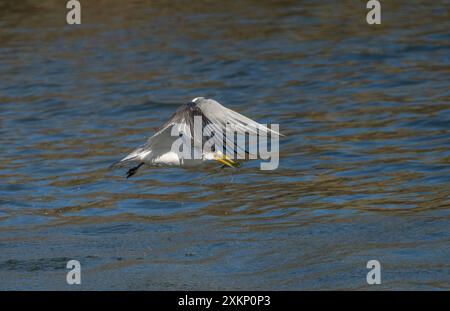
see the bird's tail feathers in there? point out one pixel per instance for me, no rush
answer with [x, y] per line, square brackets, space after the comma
[132, 157]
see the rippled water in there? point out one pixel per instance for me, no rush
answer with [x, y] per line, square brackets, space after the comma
[364, 171]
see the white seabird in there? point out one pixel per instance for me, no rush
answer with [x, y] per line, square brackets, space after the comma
[158, 151]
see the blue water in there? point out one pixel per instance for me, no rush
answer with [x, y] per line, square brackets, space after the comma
[364, 168]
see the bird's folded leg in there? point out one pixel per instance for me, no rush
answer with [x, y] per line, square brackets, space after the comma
[133, 170]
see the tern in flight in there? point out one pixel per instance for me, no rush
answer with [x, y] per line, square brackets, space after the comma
[159, 148]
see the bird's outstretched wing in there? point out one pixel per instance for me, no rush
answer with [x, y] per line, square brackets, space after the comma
[162, 141]
[228, 121]
[222, 116]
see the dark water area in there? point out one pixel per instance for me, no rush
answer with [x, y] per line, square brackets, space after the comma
[364, 168]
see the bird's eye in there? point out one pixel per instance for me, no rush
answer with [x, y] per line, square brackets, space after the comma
[180, 135]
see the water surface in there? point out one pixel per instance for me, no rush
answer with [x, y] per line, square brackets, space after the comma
[364, 171]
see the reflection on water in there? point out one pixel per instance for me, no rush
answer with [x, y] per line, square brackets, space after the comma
[364, 169]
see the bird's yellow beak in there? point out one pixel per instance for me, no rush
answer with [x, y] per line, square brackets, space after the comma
[226, 161]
